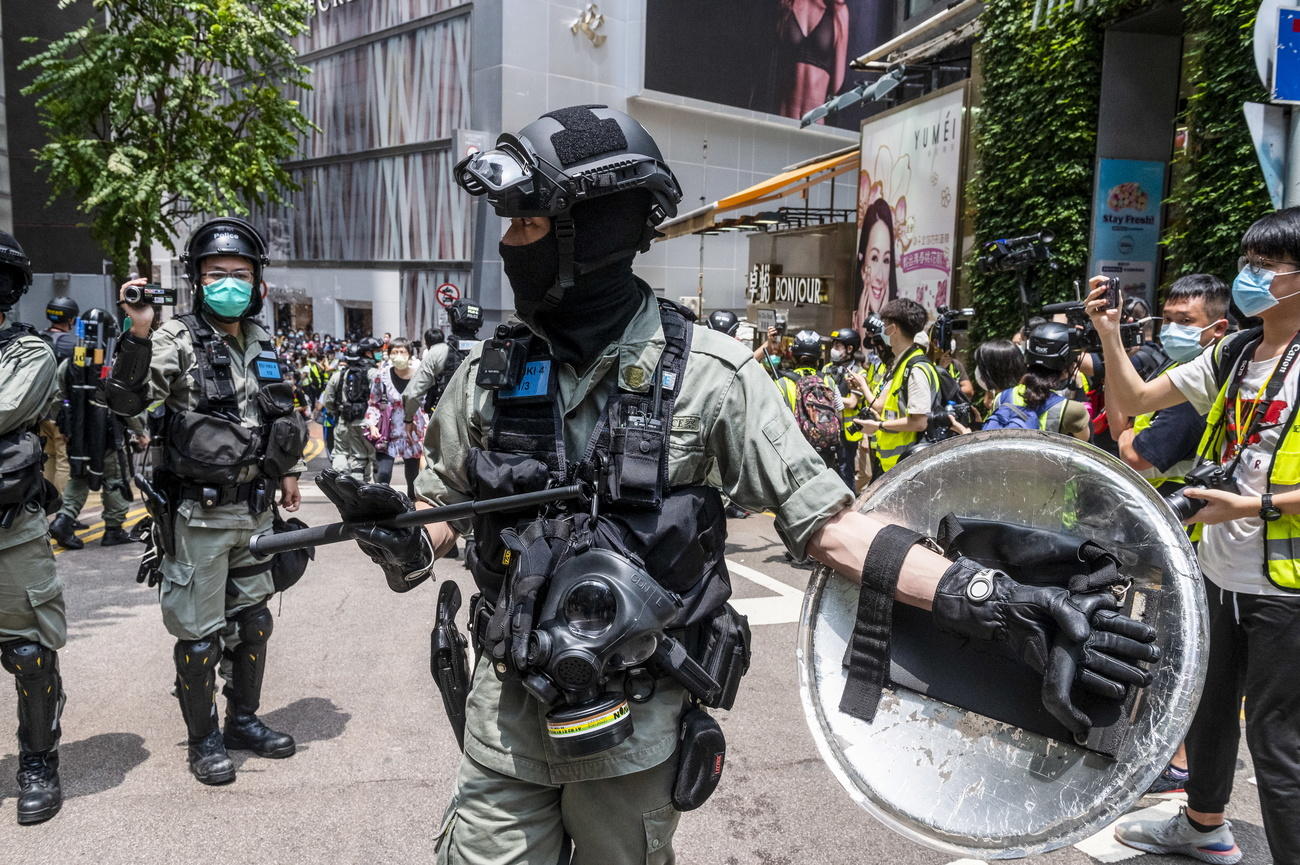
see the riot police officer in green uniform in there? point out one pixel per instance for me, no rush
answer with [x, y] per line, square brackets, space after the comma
[346, 396]
[443, 358]
[32, 623]
[97, 438]
[583, 724]
[230, 439]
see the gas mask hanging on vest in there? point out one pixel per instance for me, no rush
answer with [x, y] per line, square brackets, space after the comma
[605, 295]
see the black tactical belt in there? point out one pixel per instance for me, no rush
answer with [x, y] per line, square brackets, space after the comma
[213, 497]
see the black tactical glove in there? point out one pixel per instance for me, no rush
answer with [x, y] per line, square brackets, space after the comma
[406, 554]
[1067, 638]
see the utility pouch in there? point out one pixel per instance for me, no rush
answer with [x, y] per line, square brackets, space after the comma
[210, 449]
[726, 653]
[285, 439]
[636, 448]
[275, 400]
[701, 752]
[288, 567]
[21, 459]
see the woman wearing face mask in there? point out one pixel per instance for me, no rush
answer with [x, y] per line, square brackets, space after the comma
[1247, 387]
[394, 438]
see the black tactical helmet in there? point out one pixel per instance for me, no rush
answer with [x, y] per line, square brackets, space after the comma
[848, 336]
[1051, 345]
[564, 158]
[100, 327]
[723, 321]
[353, 353]
[15, 271]
[61, 309]
[226, 235]
[807, 345]
[369, 345]
[466, 317]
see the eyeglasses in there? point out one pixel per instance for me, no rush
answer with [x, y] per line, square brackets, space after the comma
[1259, 266]
[218, 275]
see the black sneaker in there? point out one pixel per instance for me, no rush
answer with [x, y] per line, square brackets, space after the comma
[1171, 780]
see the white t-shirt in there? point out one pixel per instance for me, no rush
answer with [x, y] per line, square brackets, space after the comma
[919, 393]
[1232, 553]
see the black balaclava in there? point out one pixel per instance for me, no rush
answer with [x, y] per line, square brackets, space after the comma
[598, 307]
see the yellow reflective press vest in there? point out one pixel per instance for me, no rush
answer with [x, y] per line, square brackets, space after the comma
[852, 432]
[890, 445]
[1281, 536]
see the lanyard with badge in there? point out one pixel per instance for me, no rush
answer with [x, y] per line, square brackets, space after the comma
[1268, 391]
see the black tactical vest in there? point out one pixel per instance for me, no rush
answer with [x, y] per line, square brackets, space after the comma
[678, 533]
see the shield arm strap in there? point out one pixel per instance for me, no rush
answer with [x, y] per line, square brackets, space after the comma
[868, 654]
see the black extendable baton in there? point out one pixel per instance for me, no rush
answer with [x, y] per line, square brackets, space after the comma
[333, 533]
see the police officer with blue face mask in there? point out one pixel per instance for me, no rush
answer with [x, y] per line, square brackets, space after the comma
[230, 440]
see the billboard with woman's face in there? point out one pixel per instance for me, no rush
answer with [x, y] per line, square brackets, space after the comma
[909, 185]
[777, 56]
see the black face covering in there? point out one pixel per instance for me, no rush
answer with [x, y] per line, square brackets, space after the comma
[598, 307]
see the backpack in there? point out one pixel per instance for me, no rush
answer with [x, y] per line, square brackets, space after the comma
[449, 366]
[815, 412]
[1228, 350]
[1008, 415]
[354, 393]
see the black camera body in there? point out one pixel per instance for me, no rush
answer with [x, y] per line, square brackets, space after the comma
[948, 322]
[151, 293]
[1205, 475]
[1085, 337]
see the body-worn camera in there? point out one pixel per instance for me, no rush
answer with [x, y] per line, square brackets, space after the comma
[151, 293]
[501, 366]
[1206, 475]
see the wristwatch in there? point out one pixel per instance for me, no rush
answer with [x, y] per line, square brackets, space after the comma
[1268, 512]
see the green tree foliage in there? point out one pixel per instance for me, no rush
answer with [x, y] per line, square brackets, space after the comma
[159, 110]
[1218, 188]
[1036, 137]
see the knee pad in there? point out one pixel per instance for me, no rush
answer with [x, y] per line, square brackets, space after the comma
[28, 660]
[196, 658]
[255, 624]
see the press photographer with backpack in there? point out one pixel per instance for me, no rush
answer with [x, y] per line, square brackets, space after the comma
[911, 386]
[1249, 504]
[814, 397]
[1051, 359]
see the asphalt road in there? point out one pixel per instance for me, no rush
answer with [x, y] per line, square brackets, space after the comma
[348, 676]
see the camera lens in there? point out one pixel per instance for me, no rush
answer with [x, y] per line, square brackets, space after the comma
[1182, 506]
[589, 608]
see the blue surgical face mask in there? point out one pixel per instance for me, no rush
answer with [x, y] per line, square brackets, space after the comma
[1252, 290]
[1182, 342]
[228, 298]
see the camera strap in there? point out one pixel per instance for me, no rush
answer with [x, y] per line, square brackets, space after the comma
[1267, 392]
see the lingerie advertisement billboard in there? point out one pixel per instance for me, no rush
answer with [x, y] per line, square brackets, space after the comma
[781, 57]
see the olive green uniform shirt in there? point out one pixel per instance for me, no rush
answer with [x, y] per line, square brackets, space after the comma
[431, 364]
[28, 387]
[730, 429]
[174, 382]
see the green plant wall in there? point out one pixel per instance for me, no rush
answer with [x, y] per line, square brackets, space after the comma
[1036, 135]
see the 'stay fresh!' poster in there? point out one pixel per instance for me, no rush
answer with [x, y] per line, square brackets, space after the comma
[1126, 223]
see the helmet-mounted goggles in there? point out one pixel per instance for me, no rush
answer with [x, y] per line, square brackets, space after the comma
[516, 181]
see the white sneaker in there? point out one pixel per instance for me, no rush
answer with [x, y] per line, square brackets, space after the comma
[1175, 835]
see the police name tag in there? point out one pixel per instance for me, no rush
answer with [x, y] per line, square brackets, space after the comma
[534, 383]
[267, 367]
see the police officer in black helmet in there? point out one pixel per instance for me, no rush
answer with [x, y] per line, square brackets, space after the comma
[32, 623]
[723, 321]
[605, 384]
[231, 441]
[443, 357]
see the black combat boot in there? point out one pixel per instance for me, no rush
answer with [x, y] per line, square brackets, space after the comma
[40, 706]
[115, 536]
[79, 525]
[62, 531]
[39, 795]
[244, 730]
[196, 686]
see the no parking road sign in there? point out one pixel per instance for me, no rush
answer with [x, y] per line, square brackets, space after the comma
[447, 293]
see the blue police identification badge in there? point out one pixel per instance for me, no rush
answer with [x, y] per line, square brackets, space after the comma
[535, 382]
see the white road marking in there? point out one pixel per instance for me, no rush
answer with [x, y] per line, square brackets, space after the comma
[779, 610]
[968, 862]
[1104, 848]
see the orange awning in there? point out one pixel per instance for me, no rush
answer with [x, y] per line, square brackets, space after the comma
[794, 180]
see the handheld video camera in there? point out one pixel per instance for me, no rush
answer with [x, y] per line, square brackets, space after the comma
[948, 322]
[1085, 336]
[151, 293]
[1014, 253]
